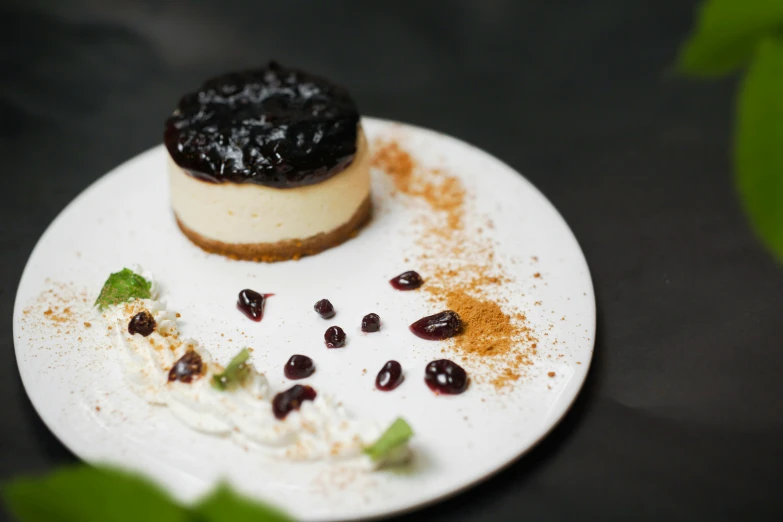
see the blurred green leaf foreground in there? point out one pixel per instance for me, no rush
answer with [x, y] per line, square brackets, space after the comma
[744, 36]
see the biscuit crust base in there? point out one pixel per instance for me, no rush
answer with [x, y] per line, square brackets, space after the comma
[288, 249]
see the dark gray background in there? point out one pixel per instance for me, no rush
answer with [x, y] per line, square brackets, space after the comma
[680, 418]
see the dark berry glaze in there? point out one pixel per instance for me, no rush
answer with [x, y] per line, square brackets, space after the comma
[188, 367]
[251, 303]
[270, 126]
[142, 323]
[371, 323]
[446, 377]
[438, 326]
[409, 280]
[390, 376]
[334, 337]
[299, 367]
[324, 308]
[291, 399]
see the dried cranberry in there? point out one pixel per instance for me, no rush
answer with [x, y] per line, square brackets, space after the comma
[251, 303]
[390, 376]
[188, 367]
[371, 323]
[444, 376]
[409, 280]
[299, 367]
[324, 308]
[291, 399]
[439, 326]
[142, 323]
[334, 337]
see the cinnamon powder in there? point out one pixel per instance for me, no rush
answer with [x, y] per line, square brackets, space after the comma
[395, 162]
[460, 269]
[440, 191]
[503, 343]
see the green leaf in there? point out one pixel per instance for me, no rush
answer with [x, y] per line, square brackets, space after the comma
[224, 505]
[391, 442]
[235, 374]
[87, 494]
[759, 143]
[727, 33]
[121, 287]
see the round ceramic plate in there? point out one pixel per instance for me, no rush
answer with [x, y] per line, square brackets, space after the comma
[124, 219]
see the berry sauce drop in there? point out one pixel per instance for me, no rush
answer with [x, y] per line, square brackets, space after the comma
[291, 399]
[390, 376]
[371, 323]
[251, 303]
[446, 377]
[438, 326]
[299, 367]
[188, 367]
[334, 337]
[142, 323]
[324, 308]
[409, 280]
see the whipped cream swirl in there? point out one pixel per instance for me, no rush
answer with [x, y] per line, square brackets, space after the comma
[320, 429]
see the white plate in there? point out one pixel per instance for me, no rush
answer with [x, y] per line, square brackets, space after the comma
[124, 218]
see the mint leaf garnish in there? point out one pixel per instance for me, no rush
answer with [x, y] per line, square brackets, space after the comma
[758, 155]
[223, 504]
[235, 374]
[393, 440]
[727, 33]
[87, 494]
[121, 287]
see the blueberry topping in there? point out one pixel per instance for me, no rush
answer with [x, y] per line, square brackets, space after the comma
[271, 126]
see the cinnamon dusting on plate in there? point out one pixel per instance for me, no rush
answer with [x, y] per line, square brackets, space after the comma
[460, 268]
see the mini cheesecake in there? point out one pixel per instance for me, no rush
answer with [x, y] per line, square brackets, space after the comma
[268, 164]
